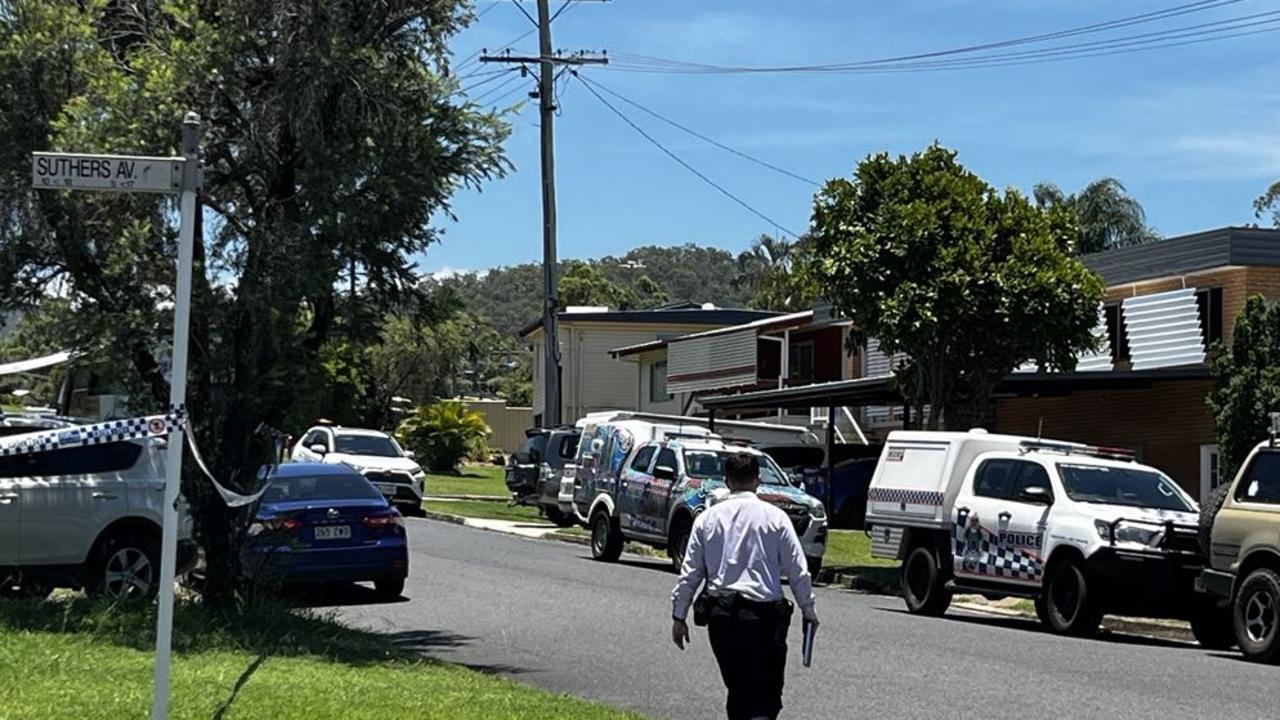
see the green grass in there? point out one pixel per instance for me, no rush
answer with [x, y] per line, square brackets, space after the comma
[849, 553]
[92, 661]
[485, 509]
[474, 480]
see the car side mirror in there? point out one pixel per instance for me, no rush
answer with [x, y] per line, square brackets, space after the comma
[410, 454]
[664, 472]
[1037, 494]
[319, 449]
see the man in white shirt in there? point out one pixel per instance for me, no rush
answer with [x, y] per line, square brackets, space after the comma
[741, 547]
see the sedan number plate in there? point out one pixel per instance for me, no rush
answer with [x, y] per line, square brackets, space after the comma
[333, 532]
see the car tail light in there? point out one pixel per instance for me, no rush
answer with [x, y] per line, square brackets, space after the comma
[262, 525]
[386, 519]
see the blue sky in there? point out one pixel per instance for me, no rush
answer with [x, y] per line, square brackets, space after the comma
[1192, 131]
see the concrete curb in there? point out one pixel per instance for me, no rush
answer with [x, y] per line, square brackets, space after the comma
[474, 498]
[553, 536]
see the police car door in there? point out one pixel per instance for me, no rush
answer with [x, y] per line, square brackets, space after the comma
[998, 528]
[631, 495]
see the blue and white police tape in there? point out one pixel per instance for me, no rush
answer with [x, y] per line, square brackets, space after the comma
[107, 431]
[110, 431]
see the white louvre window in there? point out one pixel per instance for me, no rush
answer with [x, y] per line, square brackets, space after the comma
[1099, 361]
[1164, 329]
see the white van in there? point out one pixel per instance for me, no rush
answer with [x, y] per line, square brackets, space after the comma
[1083, 531]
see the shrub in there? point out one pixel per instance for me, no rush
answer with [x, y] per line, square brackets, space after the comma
[443, 433]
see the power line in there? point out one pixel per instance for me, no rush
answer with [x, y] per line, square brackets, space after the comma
[498, 88]
[682, 163]
[486, 81]
[642, 63]
[699, 135]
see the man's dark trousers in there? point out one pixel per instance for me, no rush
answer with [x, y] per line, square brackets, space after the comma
[749, 640]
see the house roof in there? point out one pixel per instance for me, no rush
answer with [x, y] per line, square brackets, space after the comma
[1187, 253]
[880, 391]
[681, 314]
[776, 322]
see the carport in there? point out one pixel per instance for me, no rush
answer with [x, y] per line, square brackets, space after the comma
[862, 392]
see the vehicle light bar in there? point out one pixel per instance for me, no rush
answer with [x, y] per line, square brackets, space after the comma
[1110, 453]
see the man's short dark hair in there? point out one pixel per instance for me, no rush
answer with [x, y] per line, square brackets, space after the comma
[741, 468]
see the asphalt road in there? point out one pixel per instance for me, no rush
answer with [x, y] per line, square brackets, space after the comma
[544, 613]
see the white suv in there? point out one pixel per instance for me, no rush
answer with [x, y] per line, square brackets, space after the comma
[86, 516]
[374, 454]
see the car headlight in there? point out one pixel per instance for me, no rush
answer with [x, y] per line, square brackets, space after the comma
[817, 510]
[1129, 533]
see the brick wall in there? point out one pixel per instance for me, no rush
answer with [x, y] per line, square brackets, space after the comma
[1165, 424]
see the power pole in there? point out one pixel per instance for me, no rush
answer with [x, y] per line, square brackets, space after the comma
[548, 61]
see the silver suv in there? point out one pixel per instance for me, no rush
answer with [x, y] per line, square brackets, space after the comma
[86, 516]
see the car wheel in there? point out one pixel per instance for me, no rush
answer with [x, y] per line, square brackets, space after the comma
[678, 546]
[1042, 609]
[1070, 605]
[606, 538]
[127, 567]
[922, 585]
[389, 588]
[1257, 616]
[559, 518]
[1212, 625]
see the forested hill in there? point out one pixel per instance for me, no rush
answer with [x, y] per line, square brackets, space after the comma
[510, 297]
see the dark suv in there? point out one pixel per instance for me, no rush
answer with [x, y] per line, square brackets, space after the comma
[533, 471]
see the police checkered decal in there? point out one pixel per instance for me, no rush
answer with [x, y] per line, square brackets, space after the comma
[981, 553]
[910, 497]
[108, 431]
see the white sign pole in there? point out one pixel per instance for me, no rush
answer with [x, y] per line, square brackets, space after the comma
[177, 399]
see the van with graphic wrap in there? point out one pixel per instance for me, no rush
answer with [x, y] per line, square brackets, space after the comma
[1083, 531]
[659, 489]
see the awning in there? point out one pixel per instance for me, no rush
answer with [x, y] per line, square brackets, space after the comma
[26, 366]
[862, 392]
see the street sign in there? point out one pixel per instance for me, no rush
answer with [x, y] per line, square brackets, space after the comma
[121, 173]
[174, 175]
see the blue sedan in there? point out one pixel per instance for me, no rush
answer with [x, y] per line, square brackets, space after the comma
[326, 523]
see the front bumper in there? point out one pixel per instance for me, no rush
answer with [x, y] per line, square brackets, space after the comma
[814, 539]
[1145, 583]
[400, 490]
[1218, 583]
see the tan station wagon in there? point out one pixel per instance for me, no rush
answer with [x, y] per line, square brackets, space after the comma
[1244, 552]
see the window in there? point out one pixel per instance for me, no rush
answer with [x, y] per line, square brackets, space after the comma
[667, 458]
[1209, 304]
[86, 460]
[374, 445]
[658, 382]
[568, 446]
[1261, 482]
[1130, 487]
[800, 361]
[320, 487]
[643, 456]
[1116, 335]
[995, 479]
[1031, 475]
[533, 448]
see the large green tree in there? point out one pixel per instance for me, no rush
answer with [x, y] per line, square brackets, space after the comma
[1106, 215]
[1246, 381]
[333, 135]
[969, 282]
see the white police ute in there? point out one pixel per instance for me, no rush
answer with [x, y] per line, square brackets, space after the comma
[1083, 531]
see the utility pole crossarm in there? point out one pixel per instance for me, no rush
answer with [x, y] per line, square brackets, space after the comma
[575, 59]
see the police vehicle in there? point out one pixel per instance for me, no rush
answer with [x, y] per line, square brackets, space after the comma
[1083, 531]
[650, 491]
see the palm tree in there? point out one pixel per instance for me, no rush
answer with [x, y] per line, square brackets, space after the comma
[1107, 216]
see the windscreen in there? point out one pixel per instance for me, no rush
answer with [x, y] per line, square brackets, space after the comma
[320, 487]
[709, 464]
[1121, 486]
[375, 445]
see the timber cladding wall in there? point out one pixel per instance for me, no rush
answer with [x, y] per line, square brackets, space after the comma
[1236, 283]
[1166, 424]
